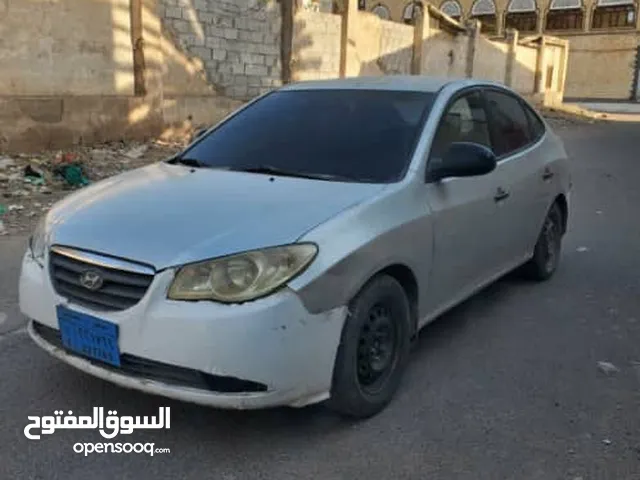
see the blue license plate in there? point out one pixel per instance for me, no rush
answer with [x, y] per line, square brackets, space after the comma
[89, 336]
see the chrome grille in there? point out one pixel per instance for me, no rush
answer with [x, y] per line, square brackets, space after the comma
[120, 289]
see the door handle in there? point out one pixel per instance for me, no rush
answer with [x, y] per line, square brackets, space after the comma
[501, 194]
[547, 174]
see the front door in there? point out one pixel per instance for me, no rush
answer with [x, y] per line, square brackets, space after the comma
[462, 209]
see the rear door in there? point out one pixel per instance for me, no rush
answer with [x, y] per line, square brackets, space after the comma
[520, 175]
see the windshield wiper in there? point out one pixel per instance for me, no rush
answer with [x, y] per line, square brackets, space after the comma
[189, 162]
[272, 170]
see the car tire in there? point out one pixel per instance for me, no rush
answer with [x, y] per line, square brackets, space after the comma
[546, 254]
[373, 351]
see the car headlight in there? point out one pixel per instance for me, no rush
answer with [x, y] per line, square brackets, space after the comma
[242, 277]
[38, 241]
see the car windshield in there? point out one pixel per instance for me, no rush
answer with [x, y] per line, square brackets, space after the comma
[345, 135]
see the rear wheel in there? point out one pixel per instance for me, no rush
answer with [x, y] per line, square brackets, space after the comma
[546, 256]
[373, 350]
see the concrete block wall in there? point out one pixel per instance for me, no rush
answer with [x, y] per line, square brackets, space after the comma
[238, 42]
[316, 46]
[396, 47]
[490, 60]
[445, 53]
[601, 66]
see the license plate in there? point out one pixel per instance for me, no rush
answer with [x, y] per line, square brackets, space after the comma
[89, 336]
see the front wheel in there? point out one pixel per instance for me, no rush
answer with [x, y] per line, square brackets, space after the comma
[373, 350]
[546, 256]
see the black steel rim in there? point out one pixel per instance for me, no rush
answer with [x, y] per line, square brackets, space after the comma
[377, 349]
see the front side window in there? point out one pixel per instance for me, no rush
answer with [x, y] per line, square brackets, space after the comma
[465, 120]
[510, 125]
[350, 135]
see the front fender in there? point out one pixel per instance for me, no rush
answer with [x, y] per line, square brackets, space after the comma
[408, 245]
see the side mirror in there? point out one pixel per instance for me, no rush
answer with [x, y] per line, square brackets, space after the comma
[463, 159]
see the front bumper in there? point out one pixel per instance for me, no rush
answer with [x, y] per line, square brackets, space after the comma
[273, 342]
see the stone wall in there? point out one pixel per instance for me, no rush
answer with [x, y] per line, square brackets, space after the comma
[445, 53]
[74, 47]
[601, 66]
[490, 60]
[67, 75]
[396, 46]
[523, 75]
[83, 71]
[316, 46]
[238, 42]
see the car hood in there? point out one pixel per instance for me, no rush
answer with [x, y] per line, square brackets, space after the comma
[165, 215]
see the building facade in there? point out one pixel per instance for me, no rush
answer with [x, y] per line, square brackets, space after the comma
[556, 17]
[600, 32]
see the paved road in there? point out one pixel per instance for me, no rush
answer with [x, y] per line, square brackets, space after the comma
[504, 387]
[612, 107]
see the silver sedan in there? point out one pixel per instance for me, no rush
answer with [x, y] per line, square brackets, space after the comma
[289, 254]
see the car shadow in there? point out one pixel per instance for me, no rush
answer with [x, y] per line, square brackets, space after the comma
[448, 325]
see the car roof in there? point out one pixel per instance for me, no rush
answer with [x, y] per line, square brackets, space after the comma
[416, 83]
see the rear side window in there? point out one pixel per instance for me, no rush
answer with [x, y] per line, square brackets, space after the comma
[510, 125]
[536, 127]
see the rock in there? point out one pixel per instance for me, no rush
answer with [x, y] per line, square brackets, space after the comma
[15, 207]
[582, 249]
[136, 152]
[46, 190]
[606, 441]
[100, 154]
[608, 368]
[6, 162]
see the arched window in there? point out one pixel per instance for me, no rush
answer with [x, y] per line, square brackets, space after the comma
[381, 11]
[453, 9]
[614, 14]
[565, 15]
[522, 15]
[485, 11]
[407, 13]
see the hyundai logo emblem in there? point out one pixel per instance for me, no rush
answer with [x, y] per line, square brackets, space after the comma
[91, 280]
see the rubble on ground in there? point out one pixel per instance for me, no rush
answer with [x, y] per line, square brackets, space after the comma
[31, 183]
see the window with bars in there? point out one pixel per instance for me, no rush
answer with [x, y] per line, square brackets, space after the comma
[618, 16]
[570, 19]
[488, 23]
[522, 21]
